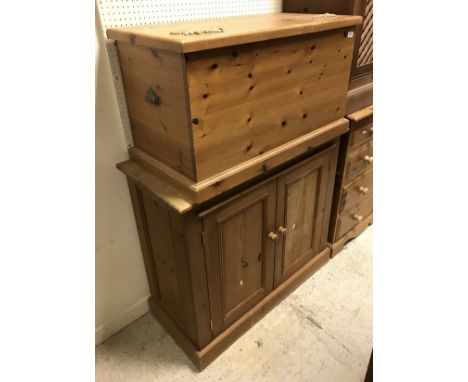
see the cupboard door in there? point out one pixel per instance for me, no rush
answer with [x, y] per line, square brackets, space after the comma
[240, 254]
[301, 209]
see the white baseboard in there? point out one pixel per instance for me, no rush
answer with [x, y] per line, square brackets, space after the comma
[126, 317]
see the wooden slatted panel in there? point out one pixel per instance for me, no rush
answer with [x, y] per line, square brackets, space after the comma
[365, 50]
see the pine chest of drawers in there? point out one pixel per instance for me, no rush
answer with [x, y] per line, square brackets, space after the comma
[353, 202]
[209, 97]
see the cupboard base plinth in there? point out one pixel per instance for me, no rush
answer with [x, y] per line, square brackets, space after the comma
[202, 358]
[336, 247]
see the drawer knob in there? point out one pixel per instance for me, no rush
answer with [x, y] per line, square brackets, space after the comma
[282, 229]
[273, 236]
[364, 131]
[368, 159]
[371, 129]
[358, 218]
[363, 190]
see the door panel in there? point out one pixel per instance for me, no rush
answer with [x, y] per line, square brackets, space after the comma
[302, 196]
[239, 253]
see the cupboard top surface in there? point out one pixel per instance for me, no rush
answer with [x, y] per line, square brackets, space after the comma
[209, 34]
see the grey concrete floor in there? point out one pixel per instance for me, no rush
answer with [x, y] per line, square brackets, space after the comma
[322, 332]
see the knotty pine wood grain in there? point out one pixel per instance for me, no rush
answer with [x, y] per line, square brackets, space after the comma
[156, 186]
[250, 99]
[236, 30]
[162, 131]
[301, 208]
[239, 254]
[163, 252]
[202, 191]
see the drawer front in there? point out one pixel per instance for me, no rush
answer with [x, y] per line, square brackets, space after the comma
[358, 161]
[357, 191]
[361, 132]
[349, 219]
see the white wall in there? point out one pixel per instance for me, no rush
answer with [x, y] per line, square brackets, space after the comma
[121, 285]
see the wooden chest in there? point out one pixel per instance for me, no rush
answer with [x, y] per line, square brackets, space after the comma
[353, 202]
[211, 97]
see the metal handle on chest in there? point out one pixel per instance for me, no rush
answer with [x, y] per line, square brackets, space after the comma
[152, 98]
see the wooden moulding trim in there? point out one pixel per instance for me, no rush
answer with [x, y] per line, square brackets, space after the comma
[361, 114]
[202, 358]
[361, 89]
[235, 31]
[156, 187]
[337, 246]
[359, 98]
[206, 189]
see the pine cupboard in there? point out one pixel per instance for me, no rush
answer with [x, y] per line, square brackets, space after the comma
[214, 271]
[236, 126]
[258, 240]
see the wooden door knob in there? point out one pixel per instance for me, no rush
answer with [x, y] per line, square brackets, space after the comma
[282, 229]
[358, 218]
[363, 190]
[368, 159]
[273, 236]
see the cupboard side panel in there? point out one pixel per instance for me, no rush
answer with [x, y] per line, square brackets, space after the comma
[195, 253]
[145, 244]
[164, 256]
[176, 253]
[163, 131]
